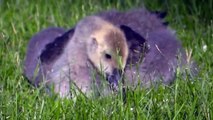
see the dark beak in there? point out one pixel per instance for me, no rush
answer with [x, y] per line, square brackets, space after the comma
[114, 78]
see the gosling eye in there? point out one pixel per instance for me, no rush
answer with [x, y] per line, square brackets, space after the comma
[108, 56]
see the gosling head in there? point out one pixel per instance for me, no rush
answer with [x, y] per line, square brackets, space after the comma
[106, 47]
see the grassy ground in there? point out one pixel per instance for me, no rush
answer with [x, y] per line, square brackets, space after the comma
[185, 99]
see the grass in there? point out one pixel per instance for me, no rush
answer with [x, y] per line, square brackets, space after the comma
[185, 99]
